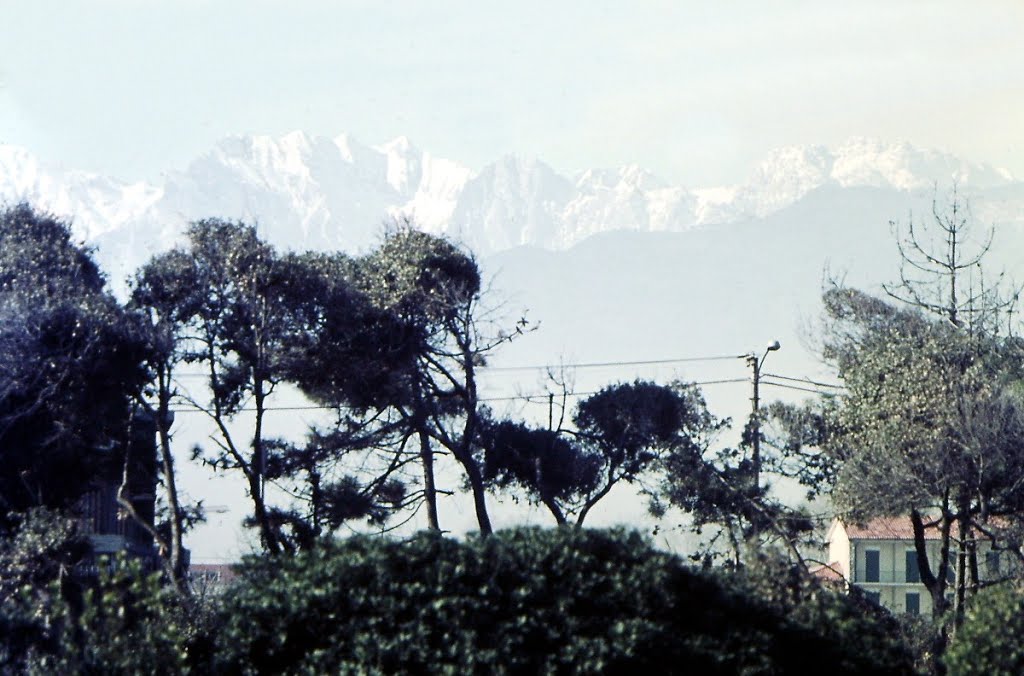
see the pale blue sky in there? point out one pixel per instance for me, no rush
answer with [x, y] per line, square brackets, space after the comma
[695, 91]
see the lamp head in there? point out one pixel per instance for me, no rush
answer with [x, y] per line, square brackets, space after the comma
[773, 346]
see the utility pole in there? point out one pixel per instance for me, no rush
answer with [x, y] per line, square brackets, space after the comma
[551, 411]
[755, 363]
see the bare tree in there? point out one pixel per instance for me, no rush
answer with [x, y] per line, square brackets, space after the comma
[941, 269]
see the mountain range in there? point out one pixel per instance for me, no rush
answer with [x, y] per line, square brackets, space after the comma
[322, 193]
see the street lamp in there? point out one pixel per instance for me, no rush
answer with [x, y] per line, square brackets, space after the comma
[756, 363]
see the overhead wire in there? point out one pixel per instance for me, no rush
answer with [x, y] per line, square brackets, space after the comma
[572, 365]
[519, 397]
[803, 380]
[795, 387]
[603, 364]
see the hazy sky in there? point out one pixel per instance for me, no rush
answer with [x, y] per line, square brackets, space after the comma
[695, 91]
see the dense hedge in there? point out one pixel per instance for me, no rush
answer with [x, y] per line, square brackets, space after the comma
[122, 622]
[532, 601]
[522, 601]
[989, 642]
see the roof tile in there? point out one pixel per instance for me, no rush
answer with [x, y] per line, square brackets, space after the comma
[888, 528]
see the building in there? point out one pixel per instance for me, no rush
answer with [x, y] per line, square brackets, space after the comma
[103, 520]
[879, 557]
[211, 578]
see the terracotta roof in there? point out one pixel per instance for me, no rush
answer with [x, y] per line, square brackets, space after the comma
[829, 573]
[887, 528]
[224, 571]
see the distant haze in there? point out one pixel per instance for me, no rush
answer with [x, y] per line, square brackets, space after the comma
[695, 92]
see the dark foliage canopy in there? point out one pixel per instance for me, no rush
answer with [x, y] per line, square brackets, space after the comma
[542, 461]
[989, 642]
[70, 360]
[533, 601]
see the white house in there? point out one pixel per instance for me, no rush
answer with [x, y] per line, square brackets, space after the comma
[879, 557]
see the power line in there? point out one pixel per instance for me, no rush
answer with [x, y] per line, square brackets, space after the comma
[804, 380]
[544, 395]
[794, 387]
[589, 365]
[719, 382]
[519, 397]
[577, 365]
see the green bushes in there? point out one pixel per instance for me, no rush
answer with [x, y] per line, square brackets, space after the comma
[123, 622]
[525, 601]
[127, 623]
[989, 642]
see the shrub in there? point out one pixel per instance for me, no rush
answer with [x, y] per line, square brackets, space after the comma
[989, 641]
[527, 601]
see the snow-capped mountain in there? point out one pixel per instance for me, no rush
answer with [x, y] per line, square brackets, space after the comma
[96, 204]
[317, 192]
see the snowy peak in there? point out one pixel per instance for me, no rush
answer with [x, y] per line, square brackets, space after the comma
[870, 162]
[354, 152]
[94, 204]
[511, 202]
[315, 192]
[21, 177]
[787, 174]
[629, 198]
[404, 165]
[623, 179]
[863, 161]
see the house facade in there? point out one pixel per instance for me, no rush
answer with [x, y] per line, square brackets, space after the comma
[211, 578]
[100, 516]
[879, 557]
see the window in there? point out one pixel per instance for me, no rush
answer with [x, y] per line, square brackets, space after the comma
[913, 572]
[871, 565]
[913, 603]
[875, 597]
[992, 564]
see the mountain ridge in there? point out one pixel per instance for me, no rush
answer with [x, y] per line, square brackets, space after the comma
[325, 193]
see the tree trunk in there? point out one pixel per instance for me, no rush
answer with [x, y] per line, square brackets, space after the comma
[315, 497]
[476, 485]
[933, 580]
[972, 565]
[267, 534]
[176, 545]
[429, 487]
[555, 510]
[593, 499]
[960, 596]
[465, 455]
[257, 478]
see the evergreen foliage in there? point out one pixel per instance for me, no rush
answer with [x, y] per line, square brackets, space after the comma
[36, 582]
[626, 433]
[533, 601]
[989, 642]
[70, 361]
